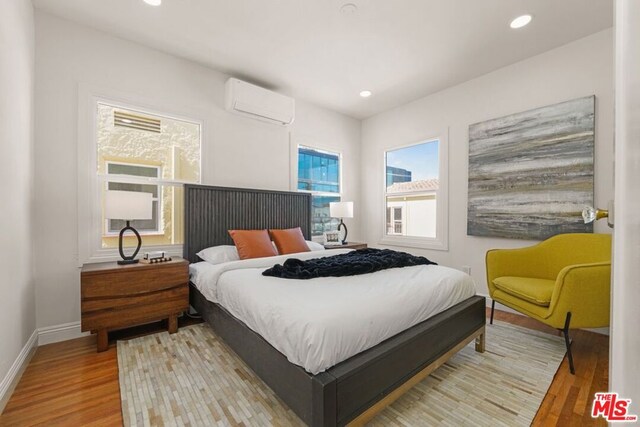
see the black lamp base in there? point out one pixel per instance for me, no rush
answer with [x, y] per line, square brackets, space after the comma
[346, 232]
[126, 260]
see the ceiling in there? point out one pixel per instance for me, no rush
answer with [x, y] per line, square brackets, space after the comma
[401, 50]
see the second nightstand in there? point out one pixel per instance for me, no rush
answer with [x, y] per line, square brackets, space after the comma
[118, 296]
[348, 245]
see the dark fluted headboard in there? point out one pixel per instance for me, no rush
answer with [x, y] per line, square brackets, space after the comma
[209, 212]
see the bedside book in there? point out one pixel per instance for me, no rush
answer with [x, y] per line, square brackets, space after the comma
[348, 245]
[154, 260]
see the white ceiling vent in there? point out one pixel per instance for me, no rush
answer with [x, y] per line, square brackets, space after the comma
[259, 103]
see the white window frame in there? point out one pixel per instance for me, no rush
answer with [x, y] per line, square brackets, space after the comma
[159, 211]
[294, 174]
[90, 225]
[441, 241]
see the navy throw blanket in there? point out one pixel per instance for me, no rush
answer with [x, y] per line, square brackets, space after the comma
[362, 261]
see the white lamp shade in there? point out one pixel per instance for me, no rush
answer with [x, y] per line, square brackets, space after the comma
[341, 209]
[128, 205]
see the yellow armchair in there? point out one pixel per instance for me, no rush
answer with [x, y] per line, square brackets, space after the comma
[563, 282]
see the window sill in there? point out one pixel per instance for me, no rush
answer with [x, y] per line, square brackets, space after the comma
[414, 242]
[142, 234]
[112, 254]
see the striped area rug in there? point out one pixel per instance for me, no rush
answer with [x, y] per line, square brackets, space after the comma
[192, 378]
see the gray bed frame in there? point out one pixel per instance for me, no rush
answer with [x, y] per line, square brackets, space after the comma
[352, 391]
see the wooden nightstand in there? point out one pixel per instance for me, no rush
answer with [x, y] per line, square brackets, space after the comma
[348, 245]
[119, 296]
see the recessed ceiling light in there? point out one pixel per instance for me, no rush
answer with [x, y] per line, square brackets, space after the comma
[365, 93]
[520, 21]
[349, 8]
[153, 2]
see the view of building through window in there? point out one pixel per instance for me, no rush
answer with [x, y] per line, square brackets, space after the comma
[412, 182]
[319, 174]
[147, 153]
[397, 175]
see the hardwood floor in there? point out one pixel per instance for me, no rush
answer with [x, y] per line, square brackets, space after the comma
[569, 398]
[70, 384]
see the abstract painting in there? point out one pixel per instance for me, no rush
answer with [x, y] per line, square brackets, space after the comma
[531, 173]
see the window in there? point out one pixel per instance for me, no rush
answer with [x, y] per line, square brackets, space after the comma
[144, 152]
[151, 226]
[319, 173]
[415, 195]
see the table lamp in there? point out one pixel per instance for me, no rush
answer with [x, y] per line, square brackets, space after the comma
[341, 210]
[128, 205]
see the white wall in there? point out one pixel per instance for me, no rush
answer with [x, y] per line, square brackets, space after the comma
[236, 151]
[625, 340]
[584, 67]
[321, 128]
[17, 300]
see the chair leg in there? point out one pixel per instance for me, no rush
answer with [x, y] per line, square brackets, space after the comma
[567, 342]
[493, 307]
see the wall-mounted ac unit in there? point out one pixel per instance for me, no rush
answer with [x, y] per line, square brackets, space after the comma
[259, 103]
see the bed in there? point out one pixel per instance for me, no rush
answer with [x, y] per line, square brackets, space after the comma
[356, 381]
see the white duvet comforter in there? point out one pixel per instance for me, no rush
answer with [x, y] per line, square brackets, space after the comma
[318, 323]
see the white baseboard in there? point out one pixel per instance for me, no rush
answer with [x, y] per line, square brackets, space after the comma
[10, 380]
[602, 331]
[57, 333]
[41, 336]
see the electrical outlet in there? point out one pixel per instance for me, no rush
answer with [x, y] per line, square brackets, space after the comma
[466, 269]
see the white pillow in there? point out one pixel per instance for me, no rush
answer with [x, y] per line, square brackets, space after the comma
[315, 246]
[219, 254]
[227, 253]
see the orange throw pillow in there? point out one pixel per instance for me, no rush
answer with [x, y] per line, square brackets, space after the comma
[289, 241]
[252, 243]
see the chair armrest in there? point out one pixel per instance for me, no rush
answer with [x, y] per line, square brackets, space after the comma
[585, 291]
[522, 262]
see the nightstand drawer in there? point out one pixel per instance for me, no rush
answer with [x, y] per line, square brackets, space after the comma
[179, 293]
[173, 302]
[133, 281]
